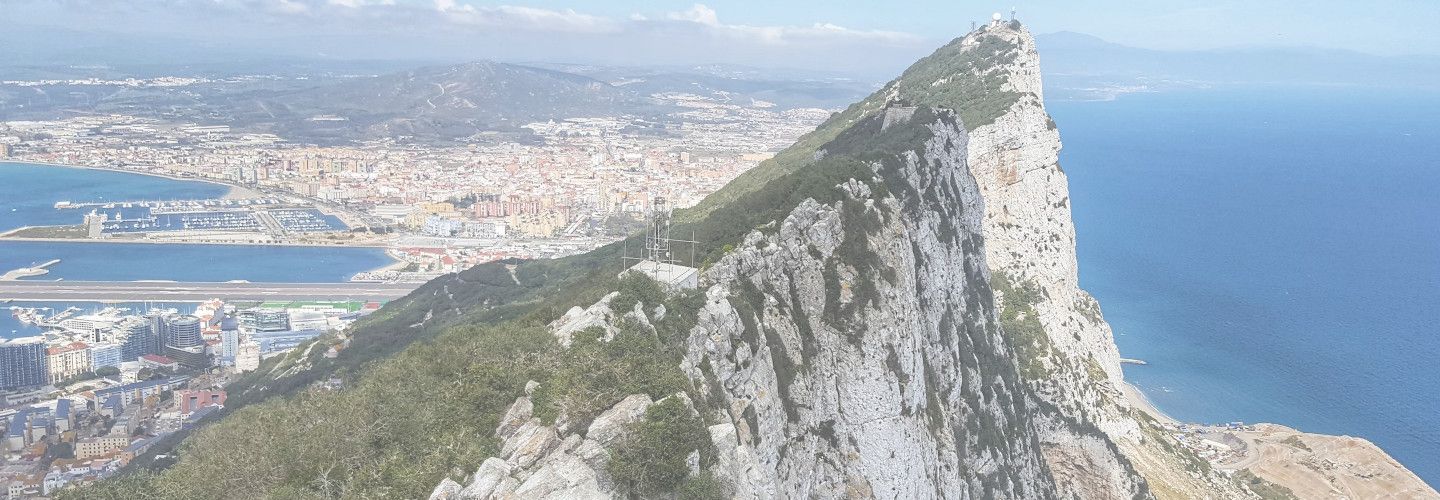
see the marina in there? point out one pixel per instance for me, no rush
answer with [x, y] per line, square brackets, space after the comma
[41, 317]
[271, 216]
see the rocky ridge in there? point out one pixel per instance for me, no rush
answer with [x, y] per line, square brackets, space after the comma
[853, 348]
[839, 364]
[920, 335]
[1030, 240]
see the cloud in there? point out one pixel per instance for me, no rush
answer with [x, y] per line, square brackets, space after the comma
[698, 13]
[356, 4]
[527, 18]
[706, 18]
[291, 6]
[391, 15]
[467, 29]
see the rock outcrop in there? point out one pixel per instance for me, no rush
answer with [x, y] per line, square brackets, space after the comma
[1029, 236]
[869, 365]
[920, 333]
[539, 461]
[1030, 240]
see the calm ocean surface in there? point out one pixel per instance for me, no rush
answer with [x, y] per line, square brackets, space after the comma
[27, 197]
[1274, 254]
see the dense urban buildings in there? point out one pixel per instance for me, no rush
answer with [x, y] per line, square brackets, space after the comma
[109, 383]
[23, 363]
[438, 208]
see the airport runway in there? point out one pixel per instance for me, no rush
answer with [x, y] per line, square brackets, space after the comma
[160, 291]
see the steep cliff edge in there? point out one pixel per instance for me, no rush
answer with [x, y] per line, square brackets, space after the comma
[887, 309]
[851, 348]
[937, 370]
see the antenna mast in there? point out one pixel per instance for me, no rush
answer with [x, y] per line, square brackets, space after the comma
[659, 259]
[657, 237]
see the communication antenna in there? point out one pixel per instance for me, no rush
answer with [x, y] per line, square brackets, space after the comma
[657, 236]
[658, 243]
[1012, 14]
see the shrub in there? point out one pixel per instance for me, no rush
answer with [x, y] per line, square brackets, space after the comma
[637, 288]
[1021, 324]
[590, 377]
[652, 458]
[703, 487]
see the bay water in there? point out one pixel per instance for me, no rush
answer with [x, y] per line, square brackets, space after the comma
[1273, 253]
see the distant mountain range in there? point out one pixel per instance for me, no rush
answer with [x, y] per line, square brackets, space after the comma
[320, 100]
[736, 84]
[1080, 65]
[448, 102]
[329, 104]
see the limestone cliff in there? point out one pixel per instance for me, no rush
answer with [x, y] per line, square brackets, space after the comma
[853, 349]
[912, 329]
[1030, 238]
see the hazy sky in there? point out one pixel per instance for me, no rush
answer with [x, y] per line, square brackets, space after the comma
[845, 34]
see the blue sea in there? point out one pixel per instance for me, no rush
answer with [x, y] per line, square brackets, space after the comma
[1273, 253]
[27, 197]
[28, 192]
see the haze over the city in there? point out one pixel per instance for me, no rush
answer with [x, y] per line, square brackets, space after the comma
[868, 38]
[726, 249]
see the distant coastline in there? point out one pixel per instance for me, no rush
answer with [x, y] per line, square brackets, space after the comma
[4, 236]
[1138, 399]
[236, 191]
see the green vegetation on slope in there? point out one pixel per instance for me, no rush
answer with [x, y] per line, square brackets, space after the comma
[427, 377]
[963, 79]
[1021, 324]
[653, 458]
[1266, 489]
[412, 419]
[488, 294]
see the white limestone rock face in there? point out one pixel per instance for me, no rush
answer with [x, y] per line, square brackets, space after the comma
[447, 490]
[577, 319]
[869, 366]
[853, 348]
[610, 426]
[1029, 236]
[487, 479]
[539, 461]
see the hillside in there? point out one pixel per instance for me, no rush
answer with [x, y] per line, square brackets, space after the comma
[442, 102]
[887, 309]
[431, 104]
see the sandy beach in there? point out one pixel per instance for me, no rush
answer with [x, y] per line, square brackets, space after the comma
[1138, 400]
